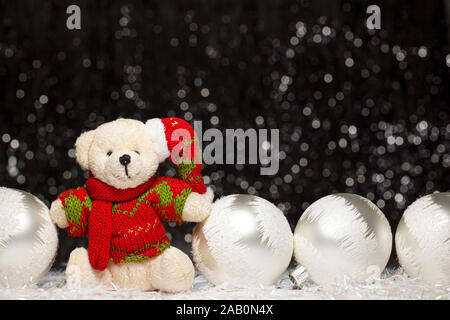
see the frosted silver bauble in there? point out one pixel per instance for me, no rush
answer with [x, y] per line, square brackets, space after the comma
[422, 239]
[28, 238]
[245, 241]
[342, 237]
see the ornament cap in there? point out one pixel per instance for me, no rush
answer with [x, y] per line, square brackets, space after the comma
[299, 276]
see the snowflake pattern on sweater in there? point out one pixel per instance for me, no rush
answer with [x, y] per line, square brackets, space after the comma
[138, 232]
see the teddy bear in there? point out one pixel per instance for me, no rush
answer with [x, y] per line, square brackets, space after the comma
[124, 201]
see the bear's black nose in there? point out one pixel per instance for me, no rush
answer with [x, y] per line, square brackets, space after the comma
[125, 159]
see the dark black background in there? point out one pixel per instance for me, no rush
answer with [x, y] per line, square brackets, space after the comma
[145, 59]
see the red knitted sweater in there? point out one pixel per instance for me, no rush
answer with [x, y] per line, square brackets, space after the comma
[137, 232]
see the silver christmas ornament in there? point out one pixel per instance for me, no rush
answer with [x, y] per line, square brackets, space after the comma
[342, 237]
[422, 239]
[28, 238]
[245, 241]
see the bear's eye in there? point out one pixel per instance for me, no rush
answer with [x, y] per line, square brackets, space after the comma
[109, 153]
[136, 152]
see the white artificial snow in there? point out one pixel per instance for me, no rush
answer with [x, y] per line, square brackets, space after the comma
[392, 285]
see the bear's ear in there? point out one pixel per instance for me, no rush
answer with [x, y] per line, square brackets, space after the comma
[82, 146]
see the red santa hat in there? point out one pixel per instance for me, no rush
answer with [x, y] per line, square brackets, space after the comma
[175, 139]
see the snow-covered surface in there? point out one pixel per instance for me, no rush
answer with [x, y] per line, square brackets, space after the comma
[392, 285]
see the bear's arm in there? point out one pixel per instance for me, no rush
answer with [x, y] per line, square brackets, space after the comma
[77, 205]
[167, 197]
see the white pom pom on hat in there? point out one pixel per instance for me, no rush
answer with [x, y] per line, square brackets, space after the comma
[158, 135]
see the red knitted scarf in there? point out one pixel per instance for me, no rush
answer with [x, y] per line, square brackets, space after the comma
[100, 221]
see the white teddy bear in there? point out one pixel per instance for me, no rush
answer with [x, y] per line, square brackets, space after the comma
[124, 201]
